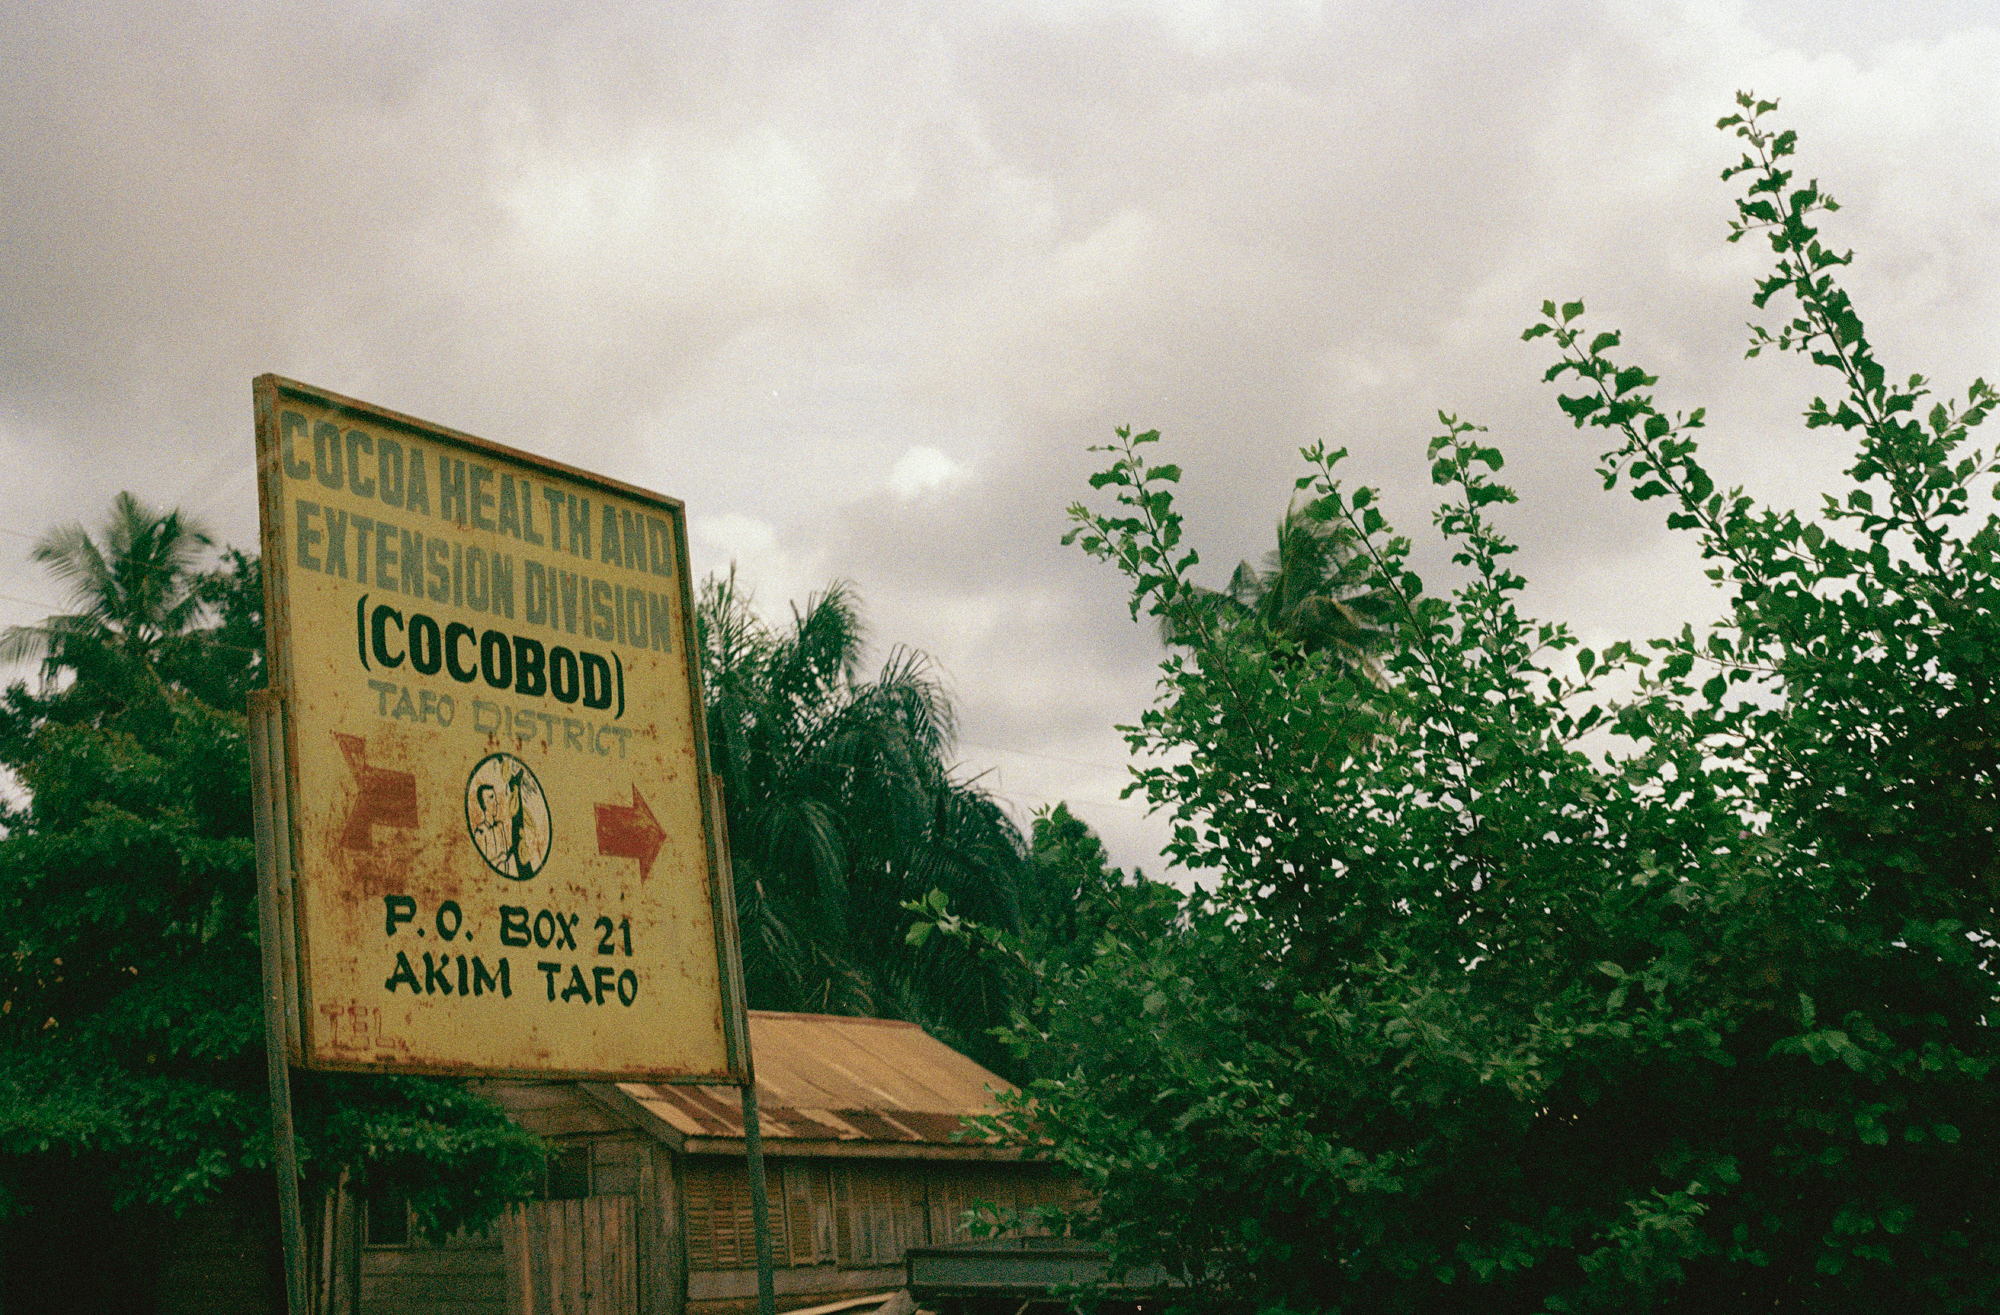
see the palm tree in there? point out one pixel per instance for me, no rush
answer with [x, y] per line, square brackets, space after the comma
[1309, 594]
[136, 592]
[841, 806]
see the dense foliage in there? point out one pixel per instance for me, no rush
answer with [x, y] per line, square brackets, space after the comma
[842, 806]
[1538, 979]
[131, 1026]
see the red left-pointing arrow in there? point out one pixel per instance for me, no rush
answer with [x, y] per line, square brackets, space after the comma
[630, 833]
[384, 799]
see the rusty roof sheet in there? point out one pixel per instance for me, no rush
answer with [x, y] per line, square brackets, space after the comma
[824, 1078]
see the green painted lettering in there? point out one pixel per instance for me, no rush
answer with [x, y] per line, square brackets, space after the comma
[412, 560]
[419, 498]
[502, 566]
[326, 453]
[451, 490]
[534, 593]
[635, 599]
[509, 519]
[484, 981]
[303, 513]
[363, 528]
[386, 539]
[389, 470]
[660, 623]
[608, 549]
[528, 515]
[557, 501]
[358, 442]
[632, 530]
[659, 547]
[600, 605]
[566, 587]
[404, 973]
[439, 561]
[476, 579]
[482, 497]
[290, 425]
[336, 543]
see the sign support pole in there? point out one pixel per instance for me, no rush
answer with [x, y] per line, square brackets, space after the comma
[760, 1200]
[265, 726]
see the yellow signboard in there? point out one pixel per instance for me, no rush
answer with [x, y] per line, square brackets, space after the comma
[504, 856]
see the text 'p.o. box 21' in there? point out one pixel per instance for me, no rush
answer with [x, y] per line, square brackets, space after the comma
[504, 855]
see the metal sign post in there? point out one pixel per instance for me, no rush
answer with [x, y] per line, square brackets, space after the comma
[760, 1201]
[266, 730]
[753, 1130]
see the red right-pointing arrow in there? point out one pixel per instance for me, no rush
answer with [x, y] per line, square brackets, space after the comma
[630, 833]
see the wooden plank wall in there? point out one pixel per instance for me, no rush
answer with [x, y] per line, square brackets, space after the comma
[851, 1213]
[572, 1257]
[475, 1275]
[551, 1109]
[466, 1276]
[662, 1241]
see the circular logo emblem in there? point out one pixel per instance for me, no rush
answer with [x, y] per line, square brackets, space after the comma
[508, 816]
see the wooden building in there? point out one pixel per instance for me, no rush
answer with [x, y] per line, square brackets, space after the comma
[646, 1204]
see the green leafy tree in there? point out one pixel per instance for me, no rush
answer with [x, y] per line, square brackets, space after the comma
[1538, 979]
[131, 1026]
[842, 807]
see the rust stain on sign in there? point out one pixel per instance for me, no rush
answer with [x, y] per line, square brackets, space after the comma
[506, 858]
[385, 798]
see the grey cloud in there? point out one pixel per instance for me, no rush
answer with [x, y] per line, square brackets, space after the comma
[752, 257]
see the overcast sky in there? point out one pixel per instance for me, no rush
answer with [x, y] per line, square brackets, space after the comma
[860, 282]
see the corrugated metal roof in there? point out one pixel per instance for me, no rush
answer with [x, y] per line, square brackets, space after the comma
[826, 1079]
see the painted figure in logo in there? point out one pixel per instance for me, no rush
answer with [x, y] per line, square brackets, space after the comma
[508, 816]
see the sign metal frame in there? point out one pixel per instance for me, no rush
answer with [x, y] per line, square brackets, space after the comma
[291, 878]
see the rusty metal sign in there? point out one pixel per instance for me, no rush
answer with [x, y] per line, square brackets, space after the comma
[501, 852]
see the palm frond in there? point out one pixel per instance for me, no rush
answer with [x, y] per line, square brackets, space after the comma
[842, 803]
